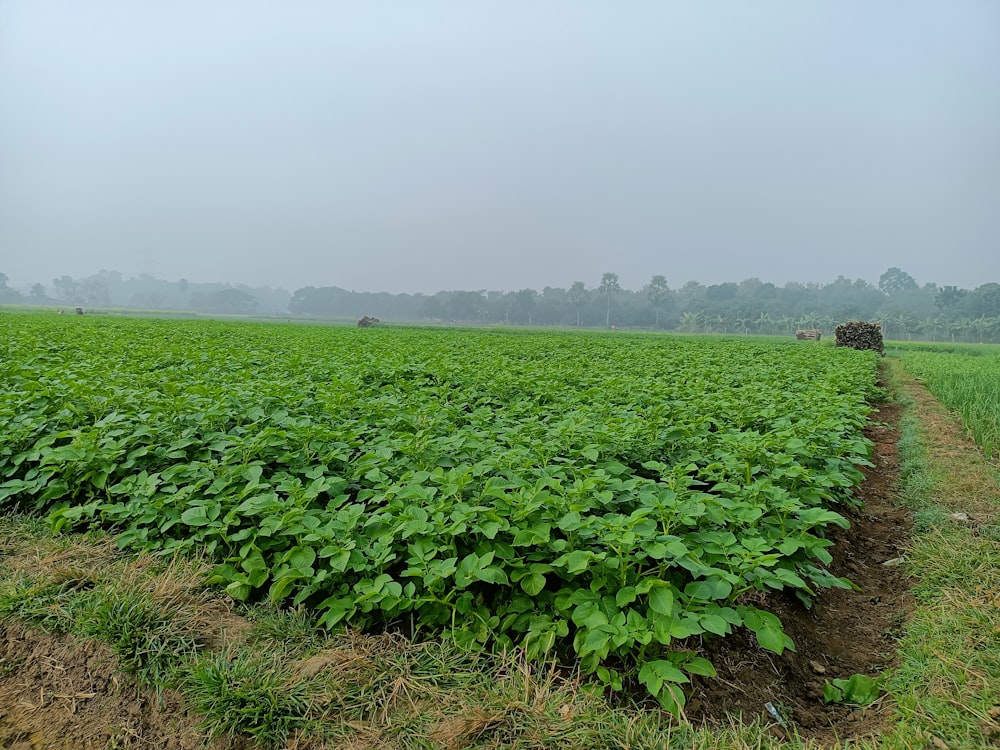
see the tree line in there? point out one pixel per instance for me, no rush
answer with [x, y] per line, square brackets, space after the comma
[109, 289]
[906, 309]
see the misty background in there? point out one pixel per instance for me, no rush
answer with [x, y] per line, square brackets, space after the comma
[417, 147]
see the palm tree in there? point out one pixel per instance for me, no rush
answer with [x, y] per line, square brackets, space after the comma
[980, 328]
[935, 324]
[993, 328]
[786, 324]
[689, 322]
[658, 294]
[959, 327]
[810, 320]
[609, 286]
[577, 295]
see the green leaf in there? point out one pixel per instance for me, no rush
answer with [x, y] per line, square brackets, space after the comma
[533, 584]
[857, 690]
[699, 665]
[492, 574]
[709, 589]
[576, 562]
[571, 521]
[655, 673]
[626, 595]
[280, 588]
[335, 609]
[239, 591]
[661, 600]
[832, 693]
[195, 516]
[596, 641]
[222, 574]
[253, 561]
[714, 624]
[767, 628]
[301, 557]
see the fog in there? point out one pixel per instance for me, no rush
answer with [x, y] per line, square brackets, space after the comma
[419, 146]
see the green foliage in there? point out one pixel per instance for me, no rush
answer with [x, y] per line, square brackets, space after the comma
[47, 605]
[243, 696]
[145, 637]
[857, 690]
[966, 380]
[585, 496]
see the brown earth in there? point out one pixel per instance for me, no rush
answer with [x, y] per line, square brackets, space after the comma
[61, 692]
[845, 632]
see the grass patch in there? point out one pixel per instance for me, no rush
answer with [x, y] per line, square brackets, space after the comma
[245, 695]
[947, 683]
[149, 640]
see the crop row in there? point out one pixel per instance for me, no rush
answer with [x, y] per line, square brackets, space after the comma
[606, 498]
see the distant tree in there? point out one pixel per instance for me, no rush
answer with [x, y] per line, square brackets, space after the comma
[985, 301]
[65, 288]
[432, 308]
[37, 293]
[526, 303]
[464, 306]
[94, 290]
[658, 294]
[8, 294]
[552, 306]
[721, 292]
[948, 298]
[225, 301]
[755, 289]
[609, 287]
[896, 280]
[691, 294]
[577, 296]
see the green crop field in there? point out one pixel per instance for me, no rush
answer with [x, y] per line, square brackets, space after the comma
[602, 497]
[966, 378]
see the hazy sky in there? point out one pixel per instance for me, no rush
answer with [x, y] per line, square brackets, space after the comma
[419, 145]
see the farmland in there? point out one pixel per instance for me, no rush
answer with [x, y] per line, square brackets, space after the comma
[605, 498]
[966, 378]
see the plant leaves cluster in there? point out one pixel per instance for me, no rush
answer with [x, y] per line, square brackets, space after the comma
[603, 498]
[857, 690]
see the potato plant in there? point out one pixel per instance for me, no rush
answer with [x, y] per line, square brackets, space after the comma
[606, 498]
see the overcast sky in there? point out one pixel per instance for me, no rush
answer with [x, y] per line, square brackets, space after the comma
[420, 145]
